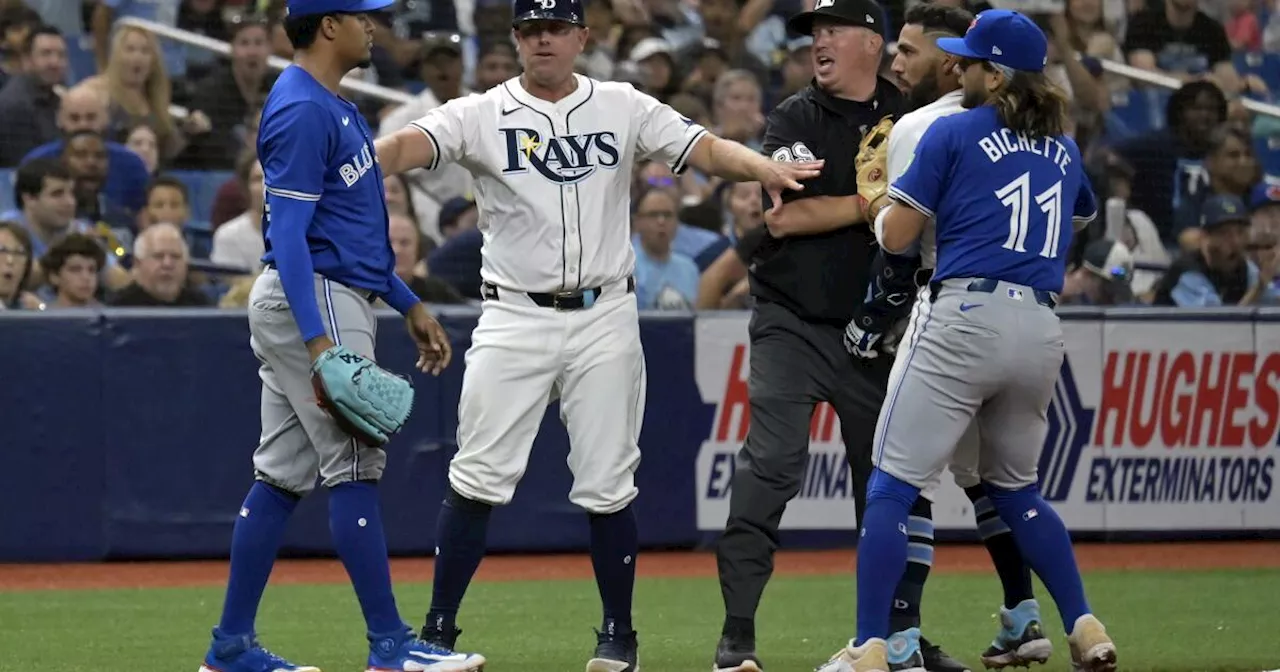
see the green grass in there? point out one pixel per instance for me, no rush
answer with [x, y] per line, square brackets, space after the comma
[1165, 622]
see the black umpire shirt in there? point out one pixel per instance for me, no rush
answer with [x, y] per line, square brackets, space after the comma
[822, 277]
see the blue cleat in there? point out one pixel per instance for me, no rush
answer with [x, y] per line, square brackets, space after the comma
[242, 653]
[615, 651]
[403, 652]
[1021, 639]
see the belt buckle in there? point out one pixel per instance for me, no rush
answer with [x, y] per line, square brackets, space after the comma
[558, 296]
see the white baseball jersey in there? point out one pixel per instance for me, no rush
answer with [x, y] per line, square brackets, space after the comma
[553, 180]
[903, 139]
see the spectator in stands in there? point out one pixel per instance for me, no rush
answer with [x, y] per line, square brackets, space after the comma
[407, 243]
[653, 56]
[44, 191]
[15, 268]
[497, 62]
[1244, 31]
[142, 141]
[720, 21]
[28, 103]
[597, 57]
[697, 243]
[1219, 273]
[16, 24]
[737, 105]
[138, 89]
[85, 155]
[1232, 171]
[67, 17]
[457, 260]
[665, 280]
[84, 108]
[797, 68]
[168, 201]
[1168, 160]
[709, 61]
[160, 258]
[238, 243]
[202, 17]
[71, 267]
[1084, 89]
[724, 284]
[1102, 278]
[105, 13]
[457, 216]
[1176, 38]
[1264, 207]
[1089, 31]
[232, 90]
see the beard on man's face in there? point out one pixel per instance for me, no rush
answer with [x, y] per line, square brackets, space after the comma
[924, 92]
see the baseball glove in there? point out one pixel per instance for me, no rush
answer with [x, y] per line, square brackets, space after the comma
[872, 162]
[367, 401]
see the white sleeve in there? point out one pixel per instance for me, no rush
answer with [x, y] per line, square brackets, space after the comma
[902, 147]
[662, 132]
[446, 128]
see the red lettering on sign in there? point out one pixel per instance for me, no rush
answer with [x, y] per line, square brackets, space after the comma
[1183, 399]
[822, 426]
[735, 397]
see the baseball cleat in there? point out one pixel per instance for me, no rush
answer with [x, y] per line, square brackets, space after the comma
[615, 651]
[1091, 649]
[403, 652]
[900, 653]
[242, 653]
[1021, 639]
[736, 656]
[937, 660]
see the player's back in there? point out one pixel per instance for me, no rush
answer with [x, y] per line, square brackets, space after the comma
[1007, 201]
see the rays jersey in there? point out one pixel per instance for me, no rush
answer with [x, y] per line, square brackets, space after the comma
[1000, 199]
[553, 180]
[903, 139]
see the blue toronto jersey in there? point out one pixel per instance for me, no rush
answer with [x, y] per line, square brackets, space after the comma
[316, 148]
[999, 198]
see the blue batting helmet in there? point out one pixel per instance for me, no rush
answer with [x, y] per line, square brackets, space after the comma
[569, 11]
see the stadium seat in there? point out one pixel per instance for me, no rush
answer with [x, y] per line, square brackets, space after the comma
[1268, 152]
[1265, 65]
[80, 59]
[202, 186]
[7, 177]
[1135, 112]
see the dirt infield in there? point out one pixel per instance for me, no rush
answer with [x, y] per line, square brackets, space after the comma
[949, 558]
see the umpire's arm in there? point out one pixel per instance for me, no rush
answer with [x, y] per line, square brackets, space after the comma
[790, 135]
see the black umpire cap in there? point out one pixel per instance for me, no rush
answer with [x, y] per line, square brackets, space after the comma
[569, 11]
[864, 13]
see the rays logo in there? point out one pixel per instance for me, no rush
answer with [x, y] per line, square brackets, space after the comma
[563, 159]
[1070, 424]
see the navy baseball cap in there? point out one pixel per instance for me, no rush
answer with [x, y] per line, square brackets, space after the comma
[305, 7]
[1264, 195]
[1221, 210]
[569, 11]
[1002, 37]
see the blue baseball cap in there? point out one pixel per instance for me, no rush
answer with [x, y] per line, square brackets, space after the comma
[1264, 195]
[306, 7]
[1222, 210]
[1003, 37]
[569, 11]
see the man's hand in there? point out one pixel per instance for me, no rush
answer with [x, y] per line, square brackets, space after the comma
[434, 349]
[860, 342]
[777, 176]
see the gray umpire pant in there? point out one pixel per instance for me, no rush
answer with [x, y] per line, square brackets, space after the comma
[299, 441]
[983, 349]
[794, 365]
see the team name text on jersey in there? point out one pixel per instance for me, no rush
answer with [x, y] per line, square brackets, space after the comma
[564, 159]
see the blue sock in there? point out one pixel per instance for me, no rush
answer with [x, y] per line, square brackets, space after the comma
[1046, 546]
[355, 521]
[882, 551]
[461, 533]
[615, 541]
[254, 544]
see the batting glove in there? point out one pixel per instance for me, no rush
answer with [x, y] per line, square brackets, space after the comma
[860, 342]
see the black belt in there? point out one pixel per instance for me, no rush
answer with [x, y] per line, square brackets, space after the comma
[988, 286]
[576, 299]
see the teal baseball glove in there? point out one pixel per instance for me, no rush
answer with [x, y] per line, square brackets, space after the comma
[367, 401]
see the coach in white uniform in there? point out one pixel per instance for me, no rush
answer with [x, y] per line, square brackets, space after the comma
[552, 155]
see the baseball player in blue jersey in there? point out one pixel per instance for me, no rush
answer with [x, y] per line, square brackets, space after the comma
[326, 407]
[998, 179]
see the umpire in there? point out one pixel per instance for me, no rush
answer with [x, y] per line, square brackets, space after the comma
[808, 273]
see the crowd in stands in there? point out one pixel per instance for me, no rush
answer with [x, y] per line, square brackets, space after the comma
[130, 176]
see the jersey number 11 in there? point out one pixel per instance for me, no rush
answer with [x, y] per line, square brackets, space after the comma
[1017, 197]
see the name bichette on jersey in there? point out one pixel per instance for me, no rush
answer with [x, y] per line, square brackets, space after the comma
[1004, 142]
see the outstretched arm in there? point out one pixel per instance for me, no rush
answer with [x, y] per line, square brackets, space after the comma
[737, 163]
[409, 147]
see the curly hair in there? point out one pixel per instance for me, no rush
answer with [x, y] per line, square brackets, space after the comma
[1031, 104]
